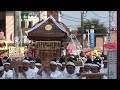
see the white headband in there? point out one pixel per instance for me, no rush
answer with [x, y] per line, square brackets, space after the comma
[87, 64]
[32, 61]
[25, 61]
[71, 63]
[63, 62]
[59, 64]
[95, 65]
[53, 62]
[6, 63]
[38, 64]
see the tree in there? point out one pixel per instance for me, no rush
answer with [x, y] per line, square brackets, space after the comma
[99, 27]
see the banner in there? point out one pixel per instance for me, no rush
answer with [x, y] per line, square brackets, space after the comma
[92, 38]
[112, 64]
[16, 52]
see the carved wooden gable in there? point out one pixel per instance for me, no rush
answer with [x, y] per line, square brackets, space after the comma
[47, 31]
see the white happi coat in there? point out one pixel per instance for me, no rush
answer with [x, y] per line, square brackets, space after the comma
[104, 70]
[44, 75]
[64, 71]
[70, 76]
[77, 68]
[30, 74]
[53, 75]
[8, 75]
[63, 52]
[1, 78]
[36, 69]
[56, 75]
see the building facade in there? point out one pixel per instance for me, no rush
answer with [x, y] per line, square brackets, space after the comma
[28, 20]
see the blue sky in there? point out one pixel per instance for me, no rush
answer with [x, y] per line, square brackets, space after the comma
[73, 18]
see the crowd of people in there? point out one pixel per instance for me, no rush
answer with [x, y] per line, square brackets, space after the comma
[57, 68]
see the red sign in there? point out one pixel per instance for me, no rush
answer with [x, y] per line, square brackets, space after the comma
[16, 54]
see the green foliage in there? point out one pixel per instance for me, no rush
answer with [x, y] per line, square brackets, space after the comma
[99, 27]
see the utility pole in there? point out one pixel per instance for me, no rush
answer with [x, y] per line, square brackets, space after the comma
[109, 36]
[82, 29]
[20, 31]
[16, 28]
[109, 39]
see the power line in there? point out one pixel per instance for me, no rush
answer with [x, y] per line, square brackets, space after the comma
[112, 17]
[98, 15]
[73, 26]
[69, 19]
[69, 16]
[114, 21]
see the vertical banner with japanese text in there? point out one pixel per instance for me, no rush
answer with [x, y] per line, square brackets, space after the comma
[92, 38]
[112, 64]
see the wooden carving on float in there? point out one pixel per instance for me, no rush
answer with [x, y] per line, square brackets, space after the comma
[48, 31]
[93, 75]
[48, 37]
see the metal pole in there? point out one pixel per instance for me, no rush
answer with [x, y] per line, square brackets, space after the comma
[109, 41]
[82, 29]
[20, 32]
[88, 40]
[109, 37]
[16, 28]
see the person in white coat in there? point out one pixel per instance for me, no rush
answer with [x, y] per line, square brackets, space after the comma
[64, 70]
[63, 50]
[32, 66]
[54, 73]
[96, 69]
[25, 72]
[104, 69]
[1, 70]
[50, 72]
[71, 74]
[59, 66]
[43, 73]
[38, 65]
[87, 67]
[8, 73]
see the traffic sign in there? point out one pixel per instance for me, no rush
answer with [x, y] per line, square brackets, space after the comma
[24, 16]
[109, 39]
